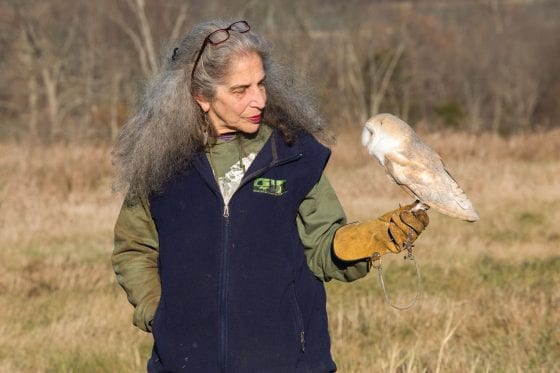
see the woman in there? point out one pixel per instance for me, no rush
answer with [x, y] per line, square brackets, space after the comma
[226, 234]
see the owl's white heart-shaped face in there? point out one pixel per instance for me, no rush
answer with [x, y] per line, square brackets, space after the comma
[367, 135]
[377, 139]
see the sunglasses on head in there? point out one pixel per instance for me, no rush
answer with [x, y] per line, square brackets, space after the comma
[217, 37]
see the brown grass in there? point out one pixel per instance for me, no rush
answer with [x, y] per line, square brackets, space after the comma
[490, 290]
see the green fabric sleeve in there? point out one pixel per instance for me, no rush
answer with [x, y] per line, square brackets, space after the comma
[135, 260]
[319, 216]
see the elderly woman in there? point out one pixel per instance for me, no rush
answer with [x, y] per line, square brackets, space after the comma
[230, 227]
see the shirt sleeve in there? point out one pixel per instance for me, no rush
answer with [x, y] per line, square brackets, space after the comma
[319, 216]
[135, 260]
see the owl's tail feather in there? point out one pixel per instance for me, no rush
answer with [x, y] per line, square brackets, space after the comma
[454, 210]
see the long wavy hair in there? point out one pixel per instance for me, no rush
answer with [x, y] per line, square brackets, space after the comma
[167, 129]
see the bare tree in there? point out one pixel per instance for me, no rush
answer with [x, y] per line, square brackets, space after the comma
[73, 67]
[44, 55]
[141, 33]
[366, 72]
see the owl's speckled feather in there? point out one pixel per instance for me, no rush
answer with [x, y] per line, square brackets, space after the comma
[415, 166]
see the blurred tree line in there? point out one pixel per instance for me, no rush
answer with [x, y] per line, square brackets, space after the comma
[74, 69]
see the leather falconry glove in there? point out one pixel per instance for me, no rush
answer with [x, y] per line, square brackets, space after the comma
[373, 238]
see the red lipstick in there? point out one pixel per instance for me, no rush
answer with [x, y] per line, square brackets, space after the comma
[256, 119]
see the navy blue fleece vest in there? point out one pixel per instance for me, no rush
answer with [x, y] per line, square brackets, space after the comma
[237, 294]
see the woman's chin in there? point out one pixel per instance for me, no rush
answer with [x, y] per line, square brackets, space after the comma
[250, 128]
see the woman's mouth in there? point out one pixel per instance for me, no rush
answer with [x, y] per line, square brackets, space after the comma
[256, 119]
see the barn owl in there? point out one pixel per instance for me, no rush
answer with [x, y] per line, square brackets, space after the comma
[415, 167]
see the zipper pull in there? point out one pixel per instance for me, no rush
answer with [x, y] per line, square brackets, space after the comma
[226, 211]
[302, 340]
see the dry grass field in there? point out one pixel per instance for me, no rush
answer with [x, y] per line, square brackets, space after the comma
[490, 295]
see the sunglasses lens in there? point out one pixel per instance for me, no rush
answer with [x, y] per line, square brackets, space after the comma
[240, 26]
[218, 36]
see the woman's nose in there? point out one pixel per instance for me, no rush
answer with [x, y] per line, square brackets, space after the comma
[258, 98]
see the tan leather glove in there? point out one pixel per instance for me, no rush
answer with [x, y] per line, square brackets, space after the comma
[373, 238]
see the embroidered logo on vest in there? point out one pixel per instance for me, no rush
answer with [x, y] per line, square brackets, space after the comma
[269, 186]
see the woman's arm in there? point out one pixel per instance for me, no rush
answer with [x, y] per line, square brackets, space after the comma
[135, 260]
[320, 215]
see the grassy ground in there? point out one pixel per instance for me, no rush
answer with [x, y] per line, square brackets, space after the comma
[490, 291]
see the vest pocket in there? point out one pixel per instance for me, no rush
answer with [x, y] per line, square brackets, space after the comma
[298, 320]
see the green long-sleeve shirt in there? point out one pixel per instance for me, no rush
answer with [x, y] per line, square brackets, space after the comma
[136, 239]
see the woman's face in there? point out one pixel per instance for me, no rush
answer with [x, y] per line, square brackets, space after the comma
[238, 102]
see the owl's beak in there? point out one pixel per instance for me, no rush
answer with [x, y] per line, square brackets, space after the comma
[367, 134]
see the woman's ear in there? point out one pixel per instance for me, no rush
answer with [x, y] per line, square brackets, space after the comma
[203, 102]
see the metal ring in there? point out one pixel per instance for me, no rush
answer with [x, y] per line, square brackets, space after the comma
[387, 300]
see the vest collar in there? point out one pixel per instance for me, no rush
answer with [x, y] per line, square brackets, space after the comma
[274, 152]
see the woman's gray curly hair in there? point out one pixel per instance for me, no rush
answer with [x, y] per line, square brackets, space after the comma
[167, 129]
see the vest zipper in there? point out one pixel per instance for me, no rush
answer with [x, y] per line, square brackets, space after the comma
[225, 274]
[223, 291]
[226, 211]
